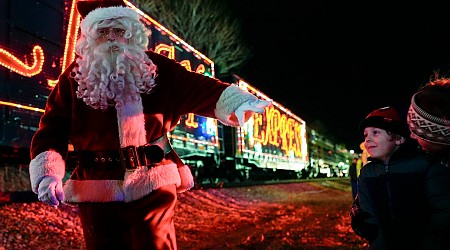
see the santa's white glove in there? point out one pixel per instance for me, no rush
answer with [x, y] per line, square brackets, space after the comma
[50, 191]
[246, 110]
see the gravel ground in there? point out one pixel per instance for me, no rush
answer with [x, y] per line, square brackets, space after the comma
[304, 215]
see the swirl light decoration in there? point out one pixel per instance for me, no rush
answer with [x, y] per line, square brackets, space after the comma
[13, 63]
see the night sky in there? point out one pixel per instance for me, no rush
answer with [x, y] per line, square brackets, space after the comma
[335, 61]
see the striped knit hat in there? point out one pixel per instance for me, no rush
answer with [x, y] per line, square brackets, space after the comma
[426, 126]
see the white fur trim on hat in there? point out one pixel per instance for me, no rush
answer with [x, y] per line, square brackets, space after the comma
[101, 14]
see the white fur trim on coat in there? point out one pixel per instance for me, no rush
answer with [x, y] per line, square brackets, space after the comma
[187, 180]
[92, 191]
[230, 99]
[131, 122]
[142, 181]
[48, 163]
[137, 184]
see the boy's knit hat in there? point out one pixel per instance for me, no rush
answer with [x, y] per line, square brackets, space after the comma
[387, 118]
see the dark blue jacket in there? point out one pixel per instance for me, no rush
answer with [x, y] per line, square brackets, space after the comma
[394, 197]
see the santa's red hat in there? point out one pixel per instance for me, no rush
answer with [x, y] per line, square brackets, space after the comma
[86, 6]
[97, 11]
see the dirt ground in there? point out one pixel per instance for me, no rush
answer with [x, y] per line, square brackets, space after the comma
[303, 215]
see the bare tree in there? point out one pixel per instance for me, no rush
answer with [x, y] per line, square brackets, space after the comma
[207, 25]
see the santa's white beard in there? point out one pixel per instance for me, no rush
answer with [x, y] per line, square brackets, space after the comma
[113, 73]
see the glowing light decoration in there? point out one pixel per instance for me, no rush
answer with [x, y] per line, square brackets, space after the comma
[210, 126]
[166, 50]
[21, 106]
[186, 64]
[71, 40]
[196, 137]
[275, 138]
[190, 121]
[201, 142]
[201, 69]
[273, 128]
[13, 63]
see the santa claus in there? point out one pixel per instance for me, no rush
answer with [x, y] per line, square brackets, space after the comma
[115, 104]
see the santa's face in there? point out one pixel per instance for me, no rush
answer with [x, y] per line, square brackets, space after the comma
[111, 34]
[112, 69]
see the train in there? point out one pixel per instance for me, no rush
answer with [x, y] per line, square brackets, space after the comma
[273, 146]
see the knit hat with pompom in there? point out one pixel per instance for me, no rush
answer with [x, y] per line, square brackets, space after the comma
[387, 118]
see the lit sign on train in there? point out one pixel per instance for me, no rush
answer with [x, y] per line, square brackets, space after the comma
[279, 130]
[277, 133]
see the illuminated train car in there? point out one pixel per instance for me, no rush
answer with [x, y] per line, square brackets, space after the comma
[270, 146]
[327, 159]
[37, 44]
[278, 145]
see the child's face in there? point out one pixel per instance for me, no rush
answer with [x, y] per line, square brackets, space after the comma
[380, 144]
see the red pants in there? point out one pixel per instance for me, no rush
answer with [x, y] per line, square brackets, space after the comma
[146, 223]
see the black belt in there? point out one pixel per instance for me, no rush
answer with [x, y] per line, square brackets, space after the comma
[128, 157]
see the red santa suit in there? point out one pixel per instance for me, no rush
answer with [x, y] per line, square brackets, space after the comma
[122, 206]
[69, 119]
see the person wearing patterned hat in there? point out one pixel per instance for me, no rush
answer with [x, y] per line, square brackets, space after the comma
[429, 117]
[391, 186]
[429, 122]
[115, 104]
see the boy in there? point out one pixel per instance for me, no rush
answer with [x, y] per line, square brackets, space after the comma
[391, 186]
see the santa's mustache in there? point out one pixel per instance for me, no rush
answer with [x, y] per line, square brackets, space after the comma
[110, 46]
